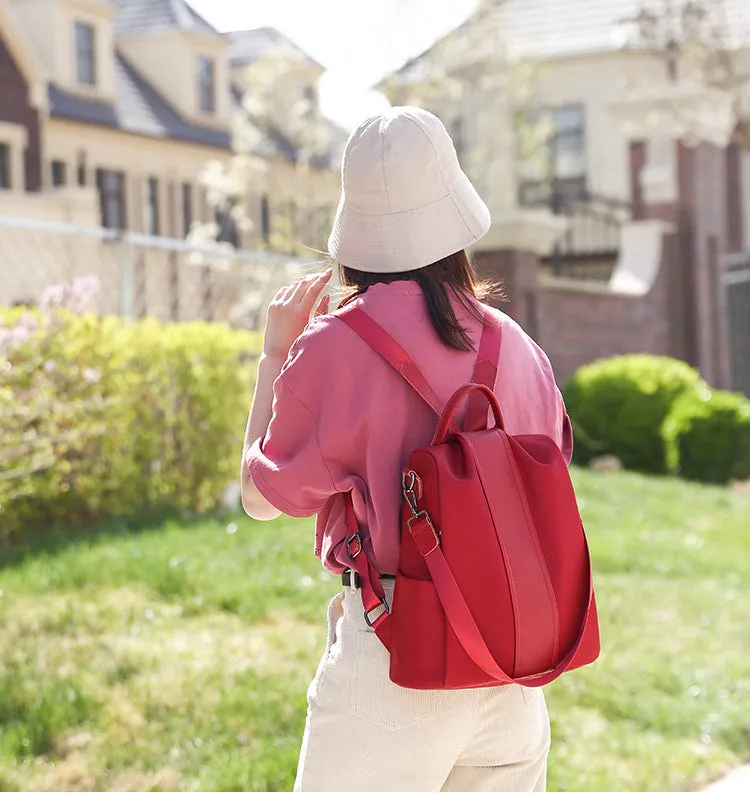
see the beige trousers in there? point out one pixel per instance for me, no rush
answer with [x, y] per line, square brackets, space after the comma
[363, 733]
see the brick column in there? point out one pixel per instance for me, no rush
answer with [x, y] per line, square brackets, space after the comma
[518, 271]
[705, 223]
[511, 254]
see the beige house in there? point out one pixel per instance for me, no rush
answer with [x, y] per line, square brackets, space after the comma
[598, 85]
[292, 205]
[610, 141]
[110, 111]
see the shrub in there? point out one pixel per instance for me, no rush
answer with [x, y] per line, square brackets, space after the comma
[707, 436]
[100, 418]
[618, 406]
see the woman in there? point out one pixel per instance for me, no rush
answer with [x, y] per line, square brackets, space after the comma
[330, 418]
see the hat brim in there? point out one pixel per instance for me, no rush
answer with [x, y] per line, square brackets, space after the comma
[407, 241]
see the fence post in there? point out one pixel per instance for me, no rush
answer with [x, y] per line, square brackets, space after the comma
[125, 255]
[174, 287]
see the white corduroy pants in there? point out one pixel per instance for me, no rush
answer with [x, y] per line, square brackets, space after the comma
[363, 733]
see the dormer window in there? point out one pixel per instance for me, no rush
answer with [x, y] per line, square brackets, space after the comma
[85, 54]
[206, 85]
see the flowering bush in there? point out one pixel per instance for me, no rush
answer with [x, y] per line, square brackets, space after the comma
[100, 418]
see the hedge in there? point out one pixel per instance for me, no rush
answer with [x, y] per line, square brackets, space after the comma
[100, 418]
[618, 405]
[707, 436]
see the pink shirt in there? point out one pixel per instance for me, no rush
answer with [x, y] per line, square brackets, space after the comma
[344, 420]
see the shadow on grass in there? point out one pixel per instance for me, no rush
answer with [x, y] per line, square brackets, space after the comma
[56, 540]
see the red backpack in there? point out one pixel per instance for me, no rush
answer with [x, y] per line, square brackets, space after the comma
[494, 581]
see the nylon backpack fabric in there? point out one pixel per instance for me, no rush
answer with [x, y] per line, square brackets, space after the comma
[494, 583]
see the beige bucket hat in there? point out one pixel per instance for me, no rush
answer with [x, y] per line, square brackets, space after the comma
[405, 201]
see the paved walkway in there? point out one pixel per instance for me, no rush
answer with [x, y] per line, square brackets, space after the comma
[738, 781]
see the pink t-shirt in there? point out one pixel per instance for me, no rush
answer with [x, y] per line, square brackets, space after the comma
[344, 420]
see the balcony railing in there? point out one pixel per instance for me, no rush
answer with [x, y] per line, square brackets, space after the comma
[590, 247]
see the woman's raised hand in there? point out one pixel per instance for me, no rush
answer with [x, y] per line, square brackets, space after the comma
[290, 310]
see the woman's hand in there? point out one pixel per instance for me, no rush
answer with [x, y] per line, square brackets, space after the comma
[289, 313]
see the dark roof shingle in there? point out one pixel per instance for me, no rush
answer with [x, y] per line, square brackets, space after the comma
[138, 108]
[134, 17]
[247, 46]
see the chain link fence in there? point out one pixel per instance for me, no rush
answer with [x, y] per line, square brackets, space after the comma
[139, 275]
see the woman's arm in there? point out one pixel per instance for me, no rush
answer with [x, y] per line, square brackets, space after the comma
[288, 314]
[257, 423]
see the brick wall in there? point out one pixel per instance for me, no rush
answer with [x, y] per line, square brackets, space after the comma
[575, 325]
[580, 326]
[15, 107]
[684, 314]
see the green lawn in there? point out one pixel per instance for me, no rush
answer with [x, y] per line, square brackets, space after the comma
[176, 656]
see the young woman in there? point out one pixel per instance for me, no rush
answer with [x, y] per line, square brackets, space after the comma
[331, 418]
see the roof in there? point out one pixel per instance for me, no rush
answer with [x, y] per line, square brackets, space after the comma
[554, 28]
[275, 144]
[134, 17]
[138, 108]
[246, 46]
[558, 27]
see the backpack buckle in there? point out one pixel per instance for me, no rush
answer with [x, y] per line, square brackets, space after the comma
[425, 537]
[354, 539]
[411, 488]
[373, 623]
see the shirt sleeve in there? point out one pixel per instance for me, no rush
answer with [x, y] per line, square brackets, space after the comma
[567, 434]
[287, 466]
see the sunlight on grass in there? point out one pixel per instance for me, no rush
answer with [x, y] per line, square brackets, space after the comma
[176, 657]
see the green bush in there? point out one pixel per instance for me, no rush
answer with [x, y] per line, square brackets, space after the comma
[707, 436]
[101, 418]
[618, 406]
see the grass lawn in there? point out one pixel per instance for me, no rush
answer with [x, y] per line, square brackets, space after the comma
[176, 656]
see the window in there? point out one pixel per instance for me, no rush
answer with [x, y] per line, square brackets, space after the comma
[206, 92]
[4, 166]
[227, 228]
[82, 168]
[85, 54]
[111, 185]
[555, 169]
[58, 173]
[187, 207]
[152, 206]
[265, 218]
[310, 96]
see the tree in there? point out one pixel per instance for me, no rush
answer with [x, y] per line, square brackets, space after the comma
[284, 152]
[694, 41]
[486, 95]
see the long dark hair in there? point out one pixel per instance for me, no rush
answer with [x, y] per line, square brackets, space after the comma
[453, 273]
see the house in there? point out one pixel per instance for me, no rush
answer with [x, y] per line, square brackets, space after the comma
[110, 111]
[633, 140]
[302, 191]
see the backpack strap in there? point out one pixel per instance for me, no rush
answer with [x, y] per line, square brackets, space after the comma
[378, 339]
[377, 610]
[485, 369]
[469, 635]
[485, 372]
